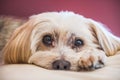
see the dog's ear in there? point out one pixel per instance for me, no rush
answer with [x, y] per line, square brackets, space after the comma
[17, 50]
[108, 42]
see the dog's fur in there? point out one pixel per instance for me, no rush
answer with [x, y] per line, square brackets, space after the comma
[7, 25]
[26, 45]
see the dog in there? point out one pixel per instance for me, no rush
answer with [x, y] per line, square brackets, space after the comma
[61, 41]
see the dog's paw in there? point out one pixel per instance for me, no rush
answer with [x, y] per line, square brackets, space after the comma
[92, 60]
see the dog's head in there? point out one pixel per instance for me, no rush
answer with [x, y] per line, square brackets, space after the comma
[51, 38]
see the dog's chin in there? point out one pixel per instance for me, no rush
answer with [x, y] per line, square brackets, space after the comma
[47, 64]
[50, 68]
[46, 59]
[72, 68]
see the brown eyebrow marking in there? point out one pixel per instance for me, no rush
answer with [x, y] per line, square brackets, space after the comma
[56, 35]
[71, 39]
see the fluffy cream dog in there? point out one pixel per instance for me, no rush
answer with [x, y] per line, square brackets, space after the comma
[61, 41]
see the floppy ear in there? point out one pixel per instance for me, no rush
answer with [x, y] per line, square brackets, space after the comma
[17, 50]
[108, 42]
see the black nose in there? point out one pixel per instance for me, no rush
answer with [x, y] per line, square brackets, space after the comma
[61, 65]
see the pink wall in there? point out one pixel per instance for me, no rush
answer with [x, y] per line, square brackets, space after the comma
[105, 11]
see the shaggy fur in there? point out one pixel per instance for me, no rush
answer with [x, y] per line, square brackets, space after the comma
[7, 26]
[26, 44]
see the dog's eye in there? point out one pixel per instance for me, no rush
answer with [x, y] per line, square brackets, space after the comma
[78, 42]
[47, 40]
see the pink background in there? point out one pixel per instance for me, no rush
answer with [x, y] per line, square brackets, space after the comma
[105, 11]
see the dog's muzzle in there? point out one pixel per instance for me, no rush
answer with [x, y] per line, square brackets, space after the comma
[61, 65]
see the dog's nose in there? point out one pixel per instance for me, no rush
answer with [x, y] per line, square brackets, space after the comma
[61, 65]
